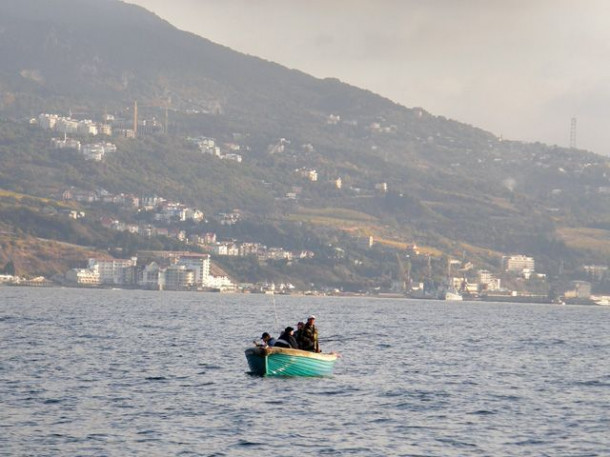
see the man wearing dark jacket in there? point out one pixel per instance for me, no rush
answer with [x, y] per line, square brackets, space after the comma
[298, 333]
[287, 339]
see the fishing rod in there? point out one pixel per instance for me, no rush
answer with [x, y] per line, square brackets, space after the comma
[332, 338]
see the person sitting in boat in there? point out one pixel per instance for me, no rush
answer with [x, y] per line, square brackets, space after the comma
[287, 339]
[309, 339]
[298, 334]
[267, 340]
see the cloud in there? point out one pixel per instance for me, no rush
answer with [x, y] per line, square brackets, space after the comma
[519, 68]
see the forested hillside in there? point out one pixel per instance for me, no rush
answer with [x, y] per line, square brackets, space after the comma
[407, 177]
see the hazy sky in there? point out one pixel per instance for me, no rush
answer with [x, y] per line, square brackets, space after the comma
[521, 69]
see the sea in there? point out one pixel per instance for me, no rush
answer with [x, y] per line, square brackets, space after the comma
[128, 373]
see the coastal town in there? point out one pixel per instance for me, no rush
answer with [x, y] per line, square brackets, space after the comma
[188, 271]
[194, 268]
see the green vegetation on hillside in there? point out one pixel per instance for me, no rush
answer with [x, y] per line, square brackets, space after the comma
[407, 177]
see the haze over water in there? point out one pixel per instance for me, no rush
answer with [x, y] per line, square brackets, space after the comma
[111, 372]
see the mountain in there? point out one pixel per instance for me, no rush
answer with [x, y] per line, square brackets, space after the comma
[408, 177]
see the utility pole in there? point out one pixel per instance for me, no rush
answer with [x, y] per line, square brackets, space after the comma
[166, 120]
[135, 118]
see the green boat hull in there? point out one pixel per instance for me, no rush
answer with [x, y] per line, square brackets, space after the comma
[289, 362]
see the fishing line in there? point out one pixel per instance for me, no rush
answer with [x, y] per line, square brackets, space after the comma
[277, 325]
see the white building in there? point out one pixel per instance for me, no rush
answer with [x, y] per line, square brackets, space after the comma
[578, 289]
[232, 156]
[96, 151]
[229, 218]
[66, 143]
[194, 214]
[84, 276]
[226, 249]
[220, 249]
[518, 263]
[333, 119]
[275, 253]
[152, 277]
[381, 187]
[207, 145]
[93, 152]
[87, 127]
[179, 277]
[246, 249]
[105, 129]
[597, 272]
[199, 264]
[488, 280]
[66, 125]
[172, 211]
[308, 173]
[48, 121]
[149, 202]
[109, 148]
[220, 282]
[115, 271]
[9, 279]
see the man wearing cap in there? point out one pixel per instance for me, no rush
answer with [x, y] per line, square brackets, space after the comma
[267, 340]
[309, 335]
[287, 340]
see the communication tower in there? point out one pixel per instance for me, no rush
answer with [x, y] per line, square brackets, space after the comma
[573, 133]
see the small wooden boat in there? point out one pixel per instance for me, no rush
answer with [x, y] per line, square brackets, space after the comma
[276, 361]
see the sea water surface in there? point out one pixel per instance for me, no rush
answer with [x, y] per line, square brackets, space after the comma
[122, 373]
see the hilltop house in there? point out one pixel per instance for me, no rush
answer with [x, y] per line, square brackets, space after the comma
[519, 264]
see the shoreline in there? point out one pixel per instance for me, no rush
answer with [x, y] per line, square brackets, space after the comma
[514, 299]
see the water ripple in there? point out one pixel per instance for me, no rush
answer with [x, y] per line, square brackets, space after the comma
[136, 375]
